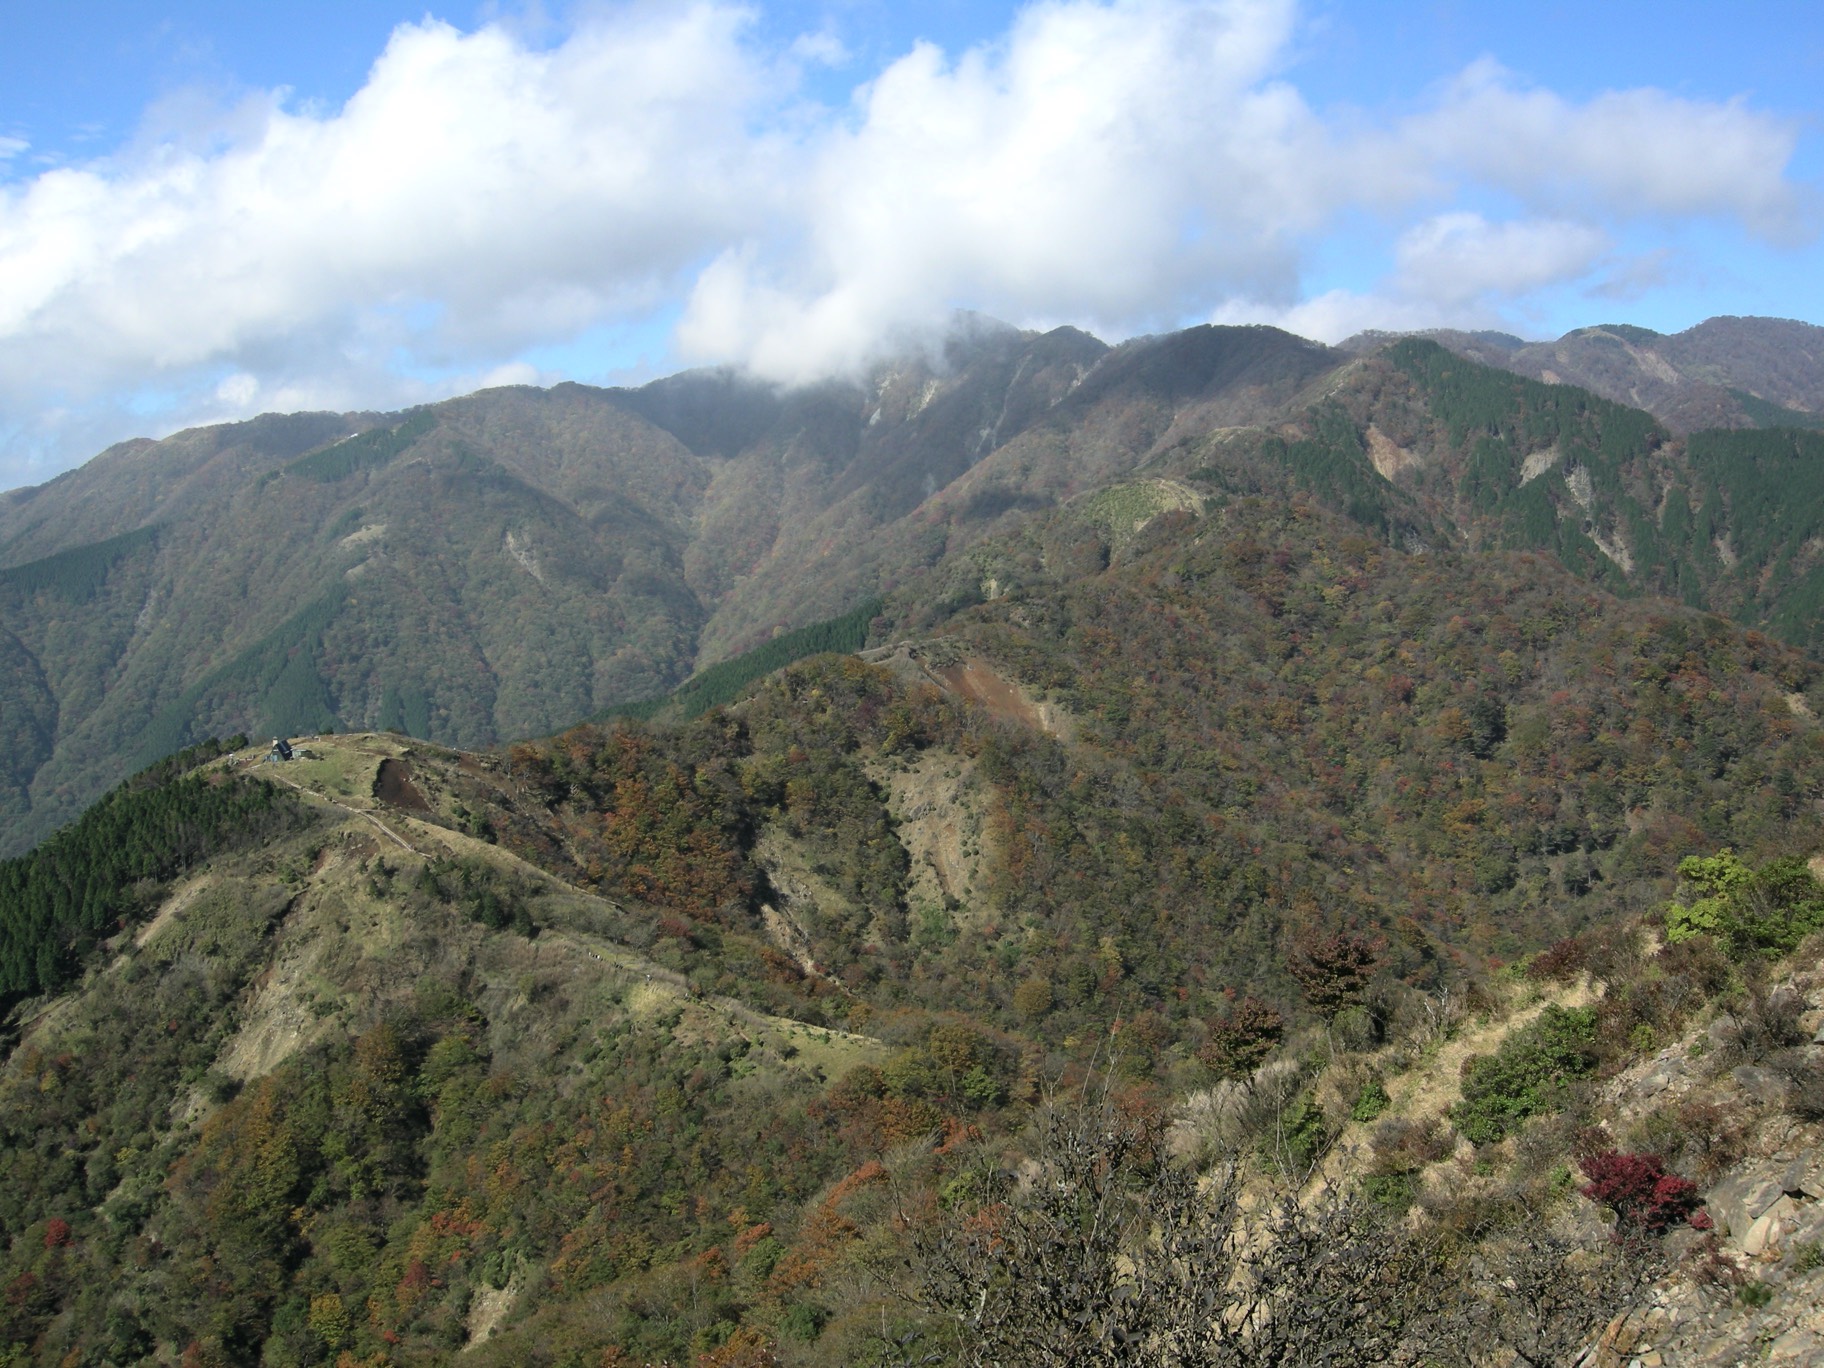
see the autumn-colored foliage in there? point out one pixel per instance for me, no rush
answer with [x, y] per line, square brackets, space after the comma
[746, 1348]
[1333, 972]
[619, 1110]
[1636, 1187]
[1242, 1038]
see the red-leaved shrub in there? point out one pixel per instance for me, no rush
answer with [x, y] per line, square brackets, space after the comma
[1636, 1187]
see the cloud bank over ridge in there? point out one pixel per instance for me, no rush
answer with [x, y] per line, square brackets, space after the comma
[1126, 166]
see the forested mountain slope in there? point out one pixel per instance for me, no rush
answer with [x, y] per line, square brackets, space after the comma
[1722, 373]
[1252, 711]
[1425, 444]
[504, 564]
[719, 1041]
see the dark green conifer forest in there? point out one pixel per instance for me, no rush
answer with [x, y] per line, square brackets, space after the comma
[107, 868]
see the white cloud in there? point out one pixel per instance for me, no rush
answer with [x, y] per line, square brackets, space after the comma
[1633, 277]
[822, 48]
[512, 373]
[1109, 163]
[11, 147]
[1122, 164]
[1337, 314]
[238, 391]
[506, 193]
[1625, 152]
[1451, 270]
[1458, 258]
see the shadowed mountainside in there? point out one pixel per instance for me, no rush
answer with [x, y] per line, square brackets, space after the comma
[503, 564]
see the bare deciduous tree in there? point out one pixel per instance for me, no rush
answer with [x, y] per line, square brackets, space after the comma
[1535, 1299]
[1101, 1252]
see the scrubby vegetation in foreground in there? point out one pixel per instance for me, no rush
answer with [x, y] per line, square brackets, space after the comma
[531, 1125]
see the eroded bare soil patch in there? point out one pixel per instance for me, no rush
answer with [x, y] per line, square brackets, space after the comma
[976, 680]
[393, 784]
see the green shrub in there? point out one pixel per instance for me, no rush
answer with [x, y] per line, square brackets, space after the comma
[1531, 1073]
[1393, 1191]
[1747, 911]
[1371, 1103]
[1301, 1137]
[803, 1322]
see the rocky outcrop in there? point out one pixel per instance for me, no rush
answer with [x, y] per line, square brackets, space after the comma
[1751, 1289]
[1756, 1204]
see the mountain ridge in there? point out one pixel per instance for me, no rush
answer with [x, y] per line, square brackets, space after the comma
[501, 564]
[1211, 770]
[592, 558]
[683, 1040]
[1725, 372]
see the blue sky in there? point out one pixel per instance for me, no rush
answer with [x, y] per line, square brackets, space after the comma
[209, 210]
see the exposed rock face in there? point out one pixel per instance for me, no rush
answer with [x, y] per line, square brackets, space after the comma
[1750, 1289]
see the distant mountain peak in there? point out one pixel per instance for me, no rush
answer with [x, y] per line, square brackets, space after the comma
[1690, 380]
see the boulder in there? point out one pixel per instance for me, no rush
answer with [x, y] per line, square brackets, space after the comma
[1764, 1085]
[1738, 1201]
[1807, 1227]
[1721, 1032]
[1621, 1341]
[1769, 1228]
[1797, 1345]
[1661, 1076]
[1804, 1176]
